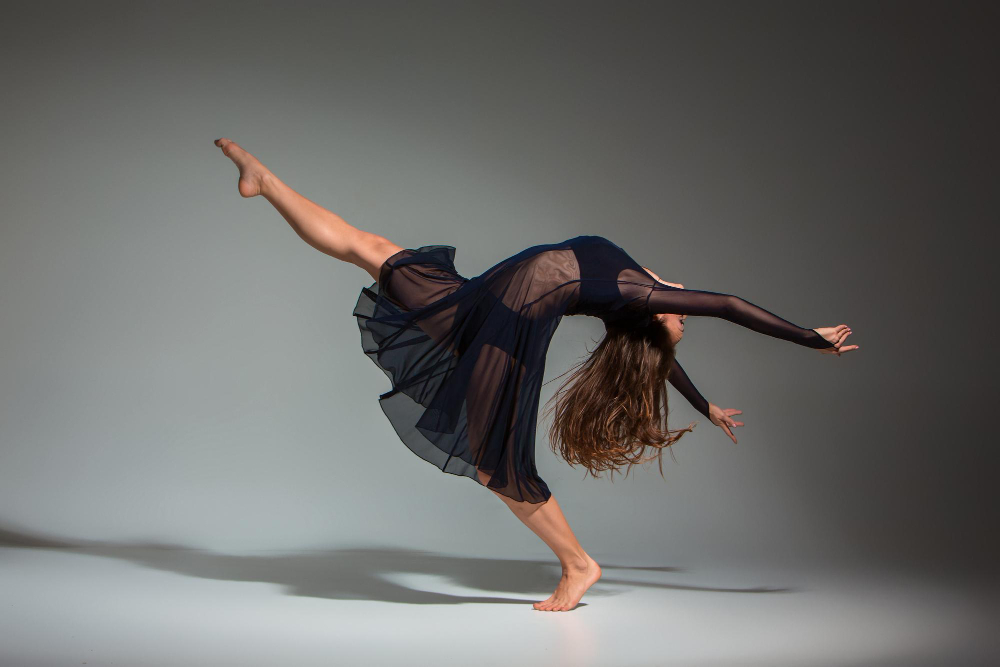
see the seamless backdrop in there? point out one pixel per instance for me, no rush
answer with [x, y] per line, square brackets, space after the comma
[178, 367]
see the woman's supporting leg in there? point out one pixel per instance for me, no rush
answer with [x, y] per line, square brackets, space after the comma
[546, 519]
[579, 570]
[322, 229]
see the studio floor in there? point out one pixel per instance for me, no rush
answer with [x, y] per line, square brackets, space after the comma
[140, 606]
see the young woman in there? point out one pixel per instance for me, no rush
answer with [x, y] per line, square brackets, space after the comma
[465, 357]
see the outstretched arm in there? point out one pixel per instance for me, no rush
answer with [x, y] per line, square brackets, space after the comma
[682, 383]
[721, 417]
[665, 299]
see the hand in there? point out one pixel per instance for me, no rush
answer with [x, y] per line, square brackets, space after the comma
[722, 417]
[836, 335]
[659, 279]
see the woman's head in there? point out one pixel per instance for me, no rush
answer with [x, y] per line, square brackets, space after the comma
[614, 404]
[674, 324]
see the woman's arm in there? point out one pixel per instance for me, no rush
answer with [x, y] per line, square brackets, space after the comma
[665, 299]
[721, 417]
[682, 383]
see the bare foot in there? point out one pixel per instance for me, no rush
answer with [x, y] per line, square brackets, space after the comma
[254, 176]
[573, 584]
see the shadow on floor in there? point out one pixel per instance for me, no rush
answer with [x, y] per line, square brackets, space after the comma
[365, 573]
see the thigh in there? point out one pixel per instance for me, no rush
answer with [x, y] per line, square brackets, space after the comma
[489, 404]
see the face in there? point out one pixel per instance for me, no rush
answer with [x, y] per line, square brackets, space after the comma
[674, 324]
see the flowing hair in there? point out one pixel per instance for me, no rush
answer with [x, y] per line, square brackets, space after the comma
[614, 404]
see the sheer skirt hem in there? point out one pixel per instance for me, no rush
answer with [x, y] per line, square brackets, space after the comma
[429, 376]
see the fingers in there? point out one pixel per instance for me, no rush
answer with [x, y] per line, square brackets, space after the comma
[840, 332]
[726, 423]
[727, 420]
[841, 348]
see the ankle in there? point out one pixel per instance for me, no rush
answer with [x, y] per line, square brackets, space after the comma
[576, 563]
[269, 184]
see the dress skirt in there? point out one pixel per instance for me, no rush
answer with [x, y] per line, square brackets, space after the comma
[465, 357]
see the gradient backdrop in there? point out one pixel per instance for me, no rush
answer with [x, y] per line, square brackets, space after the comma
[178, 367]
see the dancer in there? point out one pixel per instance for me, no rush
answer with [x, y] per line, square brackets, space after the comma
[465, 357]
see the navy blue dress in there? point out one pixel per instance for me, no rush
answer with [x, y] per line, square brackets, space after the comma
[465, 356]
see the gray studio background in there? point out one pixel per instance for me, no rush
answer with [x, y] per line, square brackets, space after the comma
[178, 367]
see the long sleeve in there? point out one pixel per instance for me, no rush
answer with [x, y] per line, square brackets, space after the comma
[666, 299]
[682, 383]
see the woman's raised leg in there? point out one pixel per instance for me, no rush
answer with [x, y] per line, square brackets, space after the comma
[579, 570]
[322, 229]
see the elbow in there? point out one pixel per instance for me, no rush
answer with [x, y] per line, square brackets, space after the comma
[731, 306]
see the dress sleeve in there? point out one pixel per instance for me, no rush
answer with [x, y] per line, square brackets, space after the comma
[666, 299]
[682, 383]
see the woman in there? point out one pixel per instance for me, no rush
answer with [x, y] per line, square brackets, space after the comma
[465, 357]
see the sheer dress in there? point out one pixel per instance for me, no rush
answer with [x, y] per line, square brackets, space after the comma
[465, 356]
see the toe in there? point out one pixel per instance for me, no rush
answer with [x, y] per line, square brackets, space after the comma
[229, 147]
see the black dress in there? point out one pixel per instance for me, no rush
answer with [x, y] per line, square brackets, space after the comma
[465, 356]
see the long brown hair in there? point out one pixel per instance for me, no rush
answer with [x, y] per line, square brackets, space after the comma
[614, 404]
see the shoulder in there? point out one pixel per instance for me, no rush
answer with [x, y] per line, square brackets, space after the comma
[594, 240]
